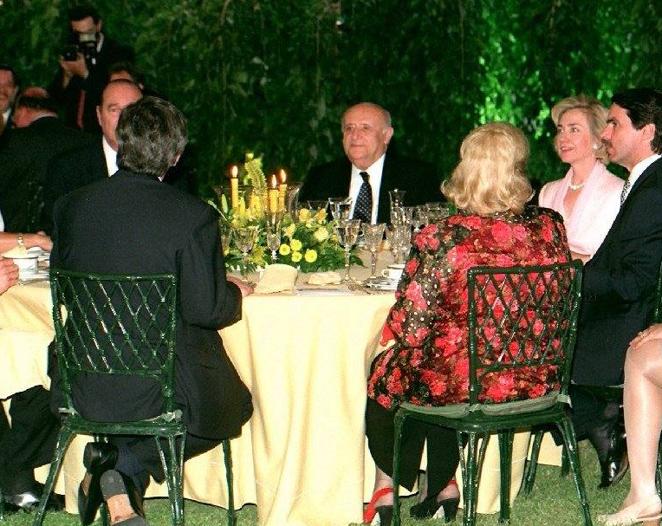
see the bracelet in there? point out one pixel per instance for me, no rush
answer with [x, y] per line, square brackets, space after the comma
[19, 240]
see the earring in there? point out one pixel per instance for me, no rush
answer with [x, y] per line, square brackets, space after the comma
[595, 146]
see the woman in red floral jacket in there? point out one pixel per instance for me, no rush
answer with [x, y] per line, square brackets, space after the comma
[427, 361]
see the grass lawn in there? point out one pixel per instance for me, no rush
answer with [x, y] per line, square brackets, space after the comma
[553, 502]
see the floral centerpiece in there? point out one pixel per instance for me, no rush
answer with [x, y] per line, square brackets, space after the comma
[308, 239]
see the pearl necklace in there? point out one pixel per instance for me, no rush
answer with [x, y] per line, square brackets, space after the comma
[575, 186]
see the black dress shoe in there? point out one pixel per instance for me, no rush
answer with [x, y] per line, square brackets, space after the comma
[97, 458]
[29, 500]
[616, 464]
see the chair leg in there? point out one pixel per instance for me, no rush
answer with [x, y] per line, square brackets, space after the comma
[570, 443]
[532, 464]
[398, 422]
[565, 466]
[173, 476]
[63, 441]
[227, 454]
[470, 476]
[505, 457]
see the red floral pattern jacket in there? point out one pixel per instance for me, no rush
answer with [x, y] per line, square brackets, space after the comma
[427, 362]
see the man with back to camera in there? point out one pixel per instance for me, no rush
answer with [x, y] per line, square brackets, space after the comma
[618, 296]
[132, 223]
[84, 67]
[369, 171]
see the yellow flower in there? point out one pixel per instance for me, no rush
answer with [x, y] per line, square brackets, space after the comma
[296, 245]
[310, 256]
[289, 230]
[304, 215]
[321, 234]
[296, 257]
[284, 250]
[320, 215]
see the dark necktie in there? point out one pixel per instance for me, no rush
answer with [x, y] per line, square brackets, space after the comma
[363, 208]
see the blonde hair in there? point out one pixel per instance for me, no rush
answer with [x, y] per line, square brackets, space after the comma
[490, 176]
[596, 114]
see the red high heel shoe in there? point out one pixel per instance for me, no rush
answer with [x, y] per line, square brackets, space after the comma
[371, 510]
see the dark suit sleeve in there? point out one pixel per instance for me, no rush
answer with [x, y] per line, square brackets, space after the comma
[633, 277]
[208, 300]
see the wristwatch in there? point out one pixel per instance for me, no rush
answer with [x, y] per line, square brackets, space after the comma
[20, 240]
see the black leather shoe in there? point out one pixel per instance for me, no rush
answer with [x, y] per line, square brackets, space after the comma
[29, 500]
[616, 464]
[97, 458]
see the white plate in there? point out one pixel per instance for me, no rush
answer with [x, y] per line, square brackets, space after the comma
[34, 276]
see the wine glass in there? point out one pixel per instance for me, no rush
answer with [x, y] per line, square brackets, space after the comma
[348, 232]
[245, 238]
[273, 236]
[341, 207]
[373, 235]
[226, 238]
[397, 236]
[404, 241]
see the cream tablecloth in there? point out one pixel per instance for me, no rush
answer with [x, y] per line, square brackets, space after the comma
[305, 356]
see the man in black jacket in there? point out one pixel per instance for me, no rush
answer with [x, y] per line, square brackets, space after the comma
[78, 85]
[133, 223]
[369, 171]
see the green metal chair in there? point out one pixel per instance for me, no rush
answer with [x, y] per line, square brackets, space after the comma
[118, 325]
[518, 317]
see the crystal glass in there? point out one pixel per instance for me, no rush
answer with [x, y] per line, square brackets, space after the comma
[348, 232]
[404, 241]
[397, 198]
[245, 238]
[315, 206]
[399, 239]
[373, 236]
[226, 237]
[273, 233]
[292, 197]
[341, 207]
[421, 218]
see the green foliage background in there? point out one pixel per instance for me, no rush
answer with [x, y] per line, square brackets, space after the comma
[274, 76]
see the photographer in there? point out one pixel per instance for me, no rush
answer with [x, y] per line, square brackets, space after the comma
[84, 64]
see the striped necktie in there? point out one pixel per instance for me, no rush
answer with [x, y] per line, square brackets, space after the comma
[363, 208]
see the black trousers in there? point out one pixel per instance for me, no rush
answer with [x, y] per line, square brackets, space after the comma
[442, 448]
[29, 441]
[138, 457]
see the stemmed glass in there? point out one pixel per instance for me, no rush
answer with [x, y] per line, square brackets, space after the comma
[373, 235]
[273, 236]
[226, 238]
[340, 207]
[348, 232]
[245, 238]
[399, 238]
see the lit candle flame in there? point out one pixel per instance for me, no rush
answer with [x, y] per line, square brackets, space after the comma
[274, 182]
[234, 171]
[283, 176]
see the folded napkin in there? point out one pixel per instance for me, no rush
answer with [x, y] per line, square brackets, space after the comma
[277, 278]
[324, 278]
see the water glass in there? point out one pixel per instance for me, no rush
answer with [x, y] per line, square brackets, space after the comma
[341, 207]
[273, 233]
[397, 198]
[348, 233]
[373, 236]
[245, 238]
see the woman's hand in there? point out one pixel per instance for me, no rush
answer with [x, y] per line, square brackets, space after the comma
[654, 332]
[39, 239]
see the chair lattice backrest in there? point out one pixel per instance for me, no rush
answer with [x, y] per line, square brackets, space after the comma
[522, 325]
[115, 325]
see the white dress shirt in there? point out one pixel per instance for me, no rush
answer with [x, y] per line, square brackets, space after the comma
[5, 116]
[375, 172]
[638, 169]
[110, 155]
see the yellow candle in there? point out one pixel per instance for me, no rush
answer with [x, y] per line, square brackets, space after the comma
[273, 195]
[234, 187]
[282, 190]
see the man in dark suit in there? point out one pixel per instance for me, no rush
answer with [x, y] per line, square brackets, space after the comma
[82, 76]
[369, 171]
[619, 281]
[132, 223]
[39, 137]
[8, 91]
[98, 159]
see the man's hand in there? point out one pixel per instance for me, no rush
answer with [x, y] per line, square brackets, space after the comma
[8, 274]
[244, 287]
[654, 332]
[72, 68]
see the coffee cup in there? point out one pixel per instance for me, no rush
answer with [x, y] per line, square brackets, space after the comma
[26, 266]
[393, 272]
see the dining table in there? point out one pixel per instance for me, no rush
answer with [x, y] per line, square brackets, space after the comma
[305, 356]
